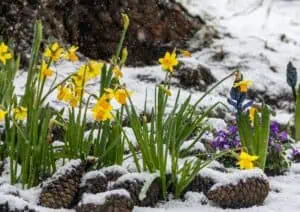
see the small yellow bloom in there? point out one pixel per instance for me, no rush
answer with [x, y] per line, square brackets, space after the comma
[246, 161]
[2, 114]
[94, 69]
[121, 96]
[252, 112]
[186, 53]
[4, 54]
[71, 54]
[20, 113]
[101, 115]
[243, 85]
[64, 93]
[109, 94]
[79, 79]
[118, 74]
[74, 100]
[55, 52]
[102, 110]
[45, 71]
[169, 61]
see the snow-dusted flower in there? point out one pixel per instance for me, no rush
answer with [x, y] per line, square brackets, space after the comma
[246, 160]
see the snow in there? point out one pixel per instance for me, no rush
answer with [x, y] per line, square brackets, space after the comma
[198, 146]
[114, 169]
[91, 175]
[100, 198]
[67, 168]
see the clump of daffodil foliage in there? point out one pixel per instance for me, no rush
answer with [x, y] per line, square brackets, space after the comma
[254, 141]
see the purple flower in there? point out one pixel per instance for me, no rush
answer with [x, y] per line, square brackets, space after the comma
[283, 136]
[232, 129]
[296, 152]
[274, 127]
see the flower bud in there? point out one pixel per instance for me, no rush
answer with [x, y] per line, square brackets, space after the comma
[291, 75]
[126, 21]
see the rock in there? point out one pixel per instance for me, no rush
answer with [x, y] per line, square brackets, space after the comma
[198, 78]
[95, 26]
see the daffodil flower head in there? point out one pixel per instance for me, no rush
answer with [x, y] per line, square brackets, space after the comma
[118, 74]
[20, 113]
[246, 161]
[109, 94]
[169, 61]
[4, 53]
[71, 54]
[2, 114]
[54, 52]
[121, 95]
[102, 110]
[45, 71]
[243, 85]
[64, 93]
[94, 69]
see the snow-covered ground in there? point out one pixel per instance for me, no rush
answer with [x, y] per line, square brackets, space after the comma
[256, 35]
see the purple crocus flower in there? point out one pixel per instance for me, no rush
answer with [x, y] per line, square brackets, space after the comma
[283, 136]
[274, 127]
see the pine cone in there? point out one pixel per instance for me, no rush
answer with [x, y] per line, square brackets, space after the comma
[203, 182]
[111, 201]
[144, 188]
[62, 188]
[93, 182]
[112, 173]
[247, 191]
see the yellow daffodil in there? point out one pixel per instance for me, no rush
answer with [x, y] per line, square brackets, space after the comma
[246, 161]
[118, 74]
[101, 115]
[55, 52]
[252, 113]
[64, 93]
[94, 69]
[243, 85]
[121, 96]
[45, 71]
[4, 54]
[79, 79]
[74, 100]
[2, 114]
[71, 54]
[169, 61]
[109, 94]
[20, 113]
[102, 110]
